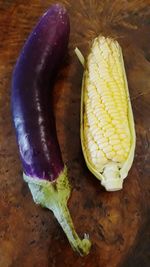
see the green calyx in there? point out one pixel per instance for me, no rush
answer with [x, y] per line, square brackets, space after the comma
[54, 196]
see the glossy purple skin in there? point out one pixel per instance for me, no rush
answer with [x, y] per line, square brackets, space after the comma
[32, 106]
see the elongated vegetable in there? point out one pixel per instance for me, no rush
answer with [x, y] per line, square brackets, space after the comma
[33, 77]
[107, 125]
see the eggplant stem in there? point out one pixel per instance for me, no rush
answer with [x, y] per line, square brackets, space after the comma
[54, 196]
[62, 214]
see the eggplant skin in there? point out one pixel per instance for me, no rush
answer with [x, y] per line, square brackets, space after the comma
[31, 98]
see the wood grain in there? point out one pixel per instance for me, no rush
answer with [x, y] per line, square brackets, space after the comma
[118, 223]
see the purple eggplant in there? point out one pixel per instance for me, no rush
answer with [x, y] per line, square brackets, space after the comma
[32, 109]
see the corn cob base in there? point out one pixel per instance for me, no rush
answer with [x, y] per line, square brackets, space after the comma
[107, 125]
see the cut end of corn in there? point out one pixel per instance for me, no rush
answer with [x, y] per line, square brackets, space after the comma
[112, 180]
[107, 125]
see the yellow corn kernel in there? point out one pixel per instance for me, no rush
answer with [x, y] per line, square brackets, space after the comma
[107, 125]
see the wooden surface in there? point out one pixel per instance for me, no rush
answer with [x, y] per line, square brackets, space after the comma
[118, 223]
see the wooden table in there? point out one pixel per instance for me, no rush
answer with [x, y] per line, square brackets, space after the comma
[118, 223]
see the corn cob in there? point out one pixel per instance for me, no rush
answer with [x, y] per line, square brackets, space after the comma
[107, 125]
